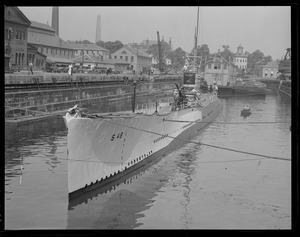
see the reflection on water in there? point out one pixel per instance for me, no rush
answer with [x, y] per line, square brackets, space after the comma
[193, 187]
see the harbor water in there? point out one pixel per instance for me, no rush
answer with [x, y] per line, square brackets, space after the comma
[200, 185]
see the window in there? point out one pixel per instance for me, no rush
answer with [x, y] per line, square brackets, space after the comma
[121, 57]
[23, 35]
[17, 34]
[215, 66]
[115, 57]
[126, 58]
[123, 52]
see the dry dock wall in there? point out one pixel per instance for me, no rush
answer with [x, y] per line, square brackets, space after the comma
[53, 99]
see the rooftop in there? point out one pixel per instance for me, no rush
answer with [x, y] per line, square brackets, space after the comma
[46, 40]
[140, 52]
[272, 64]
[43, 26]
[86, 46]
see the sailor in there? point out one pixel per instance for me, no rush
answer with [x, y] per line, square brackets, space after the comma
[194, 91]
[73, 110]
[176, 93]
[208, 87]
[176, 97]
[70, 72]
[182, 90]
[216, 89]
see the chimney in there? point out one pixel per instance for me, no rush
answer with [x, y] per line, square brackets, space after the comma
[55, 20]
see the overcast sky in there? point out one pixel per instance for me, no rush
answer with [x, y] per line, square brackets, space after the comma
[265, 28]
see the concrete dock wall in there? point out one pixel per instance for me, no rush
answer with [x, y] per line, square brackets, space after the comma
[54, 99]
[64, 77]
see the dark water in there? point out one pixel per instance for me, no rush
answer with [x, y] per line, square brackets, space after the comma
[194, 187]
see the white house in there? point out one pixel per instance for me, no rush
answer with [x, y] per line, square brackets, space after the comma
[220, 71]
[240, 58]
[138, 59]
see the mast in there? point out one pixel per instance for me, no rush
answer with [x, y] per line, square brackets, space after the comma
[196, 38]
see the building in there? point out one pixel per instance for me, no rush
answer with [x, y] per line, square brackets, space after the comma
[92, 61]
[97, 62]
[240, 58]
[155, 61]
[15, 37]
[38, 59]
[90, 49]
[220, 71]
[270, 70]
[43, 37]
[147, 43]
[138, 59]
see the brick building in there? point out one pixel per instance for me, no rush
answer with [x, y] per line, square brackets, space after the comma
[270, 70]
[15, 36]
[44, 38]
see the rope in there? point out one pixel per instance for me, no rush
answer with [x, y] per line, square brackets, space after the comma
[198, 143]
[186, 121]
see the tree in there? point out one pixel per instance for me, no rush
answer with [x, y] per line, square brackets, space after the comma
[178, 58]
[111, 46]
[256, 61]
[165, 49]
[226, 53]
[203, 52]
[79, 41]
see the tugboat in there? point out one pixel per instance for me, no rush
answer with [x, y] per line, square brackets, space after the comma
[105, 147]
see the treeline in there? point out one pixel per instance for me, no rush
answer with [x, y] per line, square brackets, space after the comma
[255, 60]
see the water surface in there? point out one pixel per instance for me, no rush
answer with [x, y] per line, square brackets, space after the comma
[194, 187]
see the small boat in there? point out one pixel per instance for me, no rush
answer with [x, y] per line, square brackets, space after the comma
[246, 111]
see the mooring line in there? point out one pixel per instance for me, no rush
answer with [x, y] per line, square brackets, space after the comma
[199, 143]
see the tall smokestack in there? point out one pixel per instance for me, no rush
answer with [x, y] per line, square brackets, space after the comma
[55, 20]
[98, 29]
